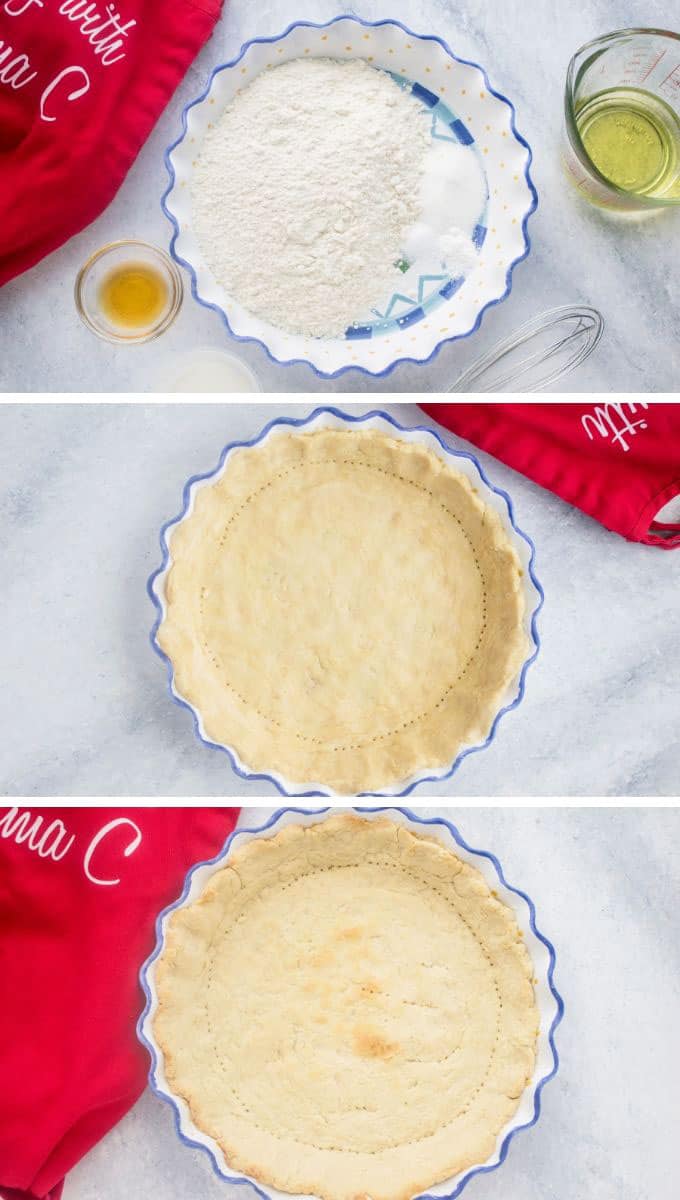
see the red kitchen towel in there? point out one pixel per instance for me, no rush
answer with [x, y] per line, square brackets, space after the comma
[80, 890]
[619, 462]
[82, 82]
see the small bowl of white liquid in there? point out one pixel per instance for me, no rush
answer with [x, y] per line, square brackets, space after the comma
[204, 369]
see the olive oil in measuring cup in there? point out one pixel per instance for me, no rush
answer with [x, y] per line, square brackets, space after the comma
[633, 139]
[622, 120]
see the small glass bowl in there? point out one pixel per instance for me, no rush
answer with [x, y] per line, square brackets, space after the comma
[204, 369]
[97, 267]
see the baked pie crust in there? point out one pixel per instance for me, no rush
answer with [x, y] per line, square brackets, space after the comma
[348, 1011]
[342, 608]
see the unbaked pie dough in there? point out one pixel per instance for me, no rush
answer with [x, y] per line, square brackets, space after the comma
[342, 608]
[348, 1010]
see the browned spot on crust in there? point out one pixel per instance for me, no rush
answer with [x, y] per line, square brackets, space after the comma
[368, 1043]
[369, 987]
[323, 958]
[351, 934]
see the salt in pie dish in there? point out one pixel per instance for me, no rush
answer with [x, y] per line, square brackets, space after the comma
[345, 605]
[351, 1005]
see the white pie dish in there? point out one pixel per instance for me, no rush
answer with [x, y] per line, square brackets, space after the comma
[332, 418]
[541, 952]
[428, 310]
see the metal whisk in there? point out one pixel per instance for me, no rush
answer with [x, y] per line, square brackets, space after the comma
[537, 354]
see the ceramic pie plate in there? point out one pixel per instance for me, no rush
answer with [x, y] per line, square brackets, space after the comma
[541, 954]
[253, 719]
[430, 307]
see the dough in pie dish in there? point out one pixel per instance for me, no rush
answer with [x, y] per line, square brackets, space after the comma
[342, 608]
[348, 1011]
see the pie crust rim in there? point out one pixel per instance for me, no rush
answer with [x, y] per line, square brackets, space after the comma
[541, 952]
[492, 496]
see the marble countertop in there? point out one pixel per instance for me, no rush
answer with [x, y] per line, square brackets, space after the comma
[626, 269]
[606, 1123]
[84, 708]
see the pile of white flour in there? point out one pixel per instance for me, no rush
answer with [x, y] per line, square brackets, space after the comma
[305, 190]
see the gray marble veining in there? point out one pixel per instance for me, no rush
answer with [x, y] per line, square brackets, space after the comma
[627, 269]
[606, 884]
[84, 708]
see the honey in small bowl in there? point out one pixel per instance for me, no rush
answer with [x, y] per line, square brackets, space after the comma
[128, 291]
[133, 295]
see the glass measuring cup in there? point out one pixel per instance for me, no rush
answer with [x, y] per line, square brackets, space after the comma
[622, 120]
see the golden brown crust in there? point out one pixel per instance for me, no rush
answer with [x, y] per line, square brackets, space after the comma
[343, 609]
[347, 1009]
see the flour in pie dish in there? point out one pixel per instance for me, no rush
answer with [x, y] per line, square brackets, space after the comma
[348, 1011]
[304, 190]
[312, 185]
[343, 609]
